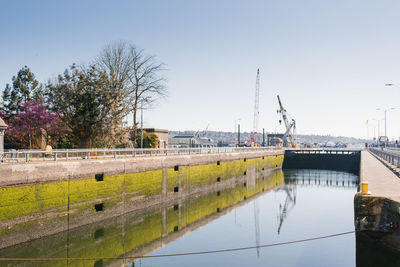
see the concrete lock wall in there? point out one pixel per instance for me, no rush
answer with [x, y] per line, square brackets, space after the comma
[40, 199]
[141, 232]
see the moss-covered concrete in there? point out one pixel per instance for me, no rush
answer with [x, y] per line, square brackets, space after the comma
[34, 210]
[138, 231]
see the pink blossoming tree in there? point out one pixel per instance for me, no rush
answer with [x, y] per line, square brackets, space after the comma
[32, 125]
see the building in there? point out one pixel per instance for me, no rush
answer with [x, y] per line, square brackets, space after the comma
[189, 140]
[3, 127]
[161, 134]
[275, 140]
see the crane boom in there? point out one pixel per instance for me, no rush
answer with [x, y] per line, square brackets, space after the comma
[283, 112]
[289, 136]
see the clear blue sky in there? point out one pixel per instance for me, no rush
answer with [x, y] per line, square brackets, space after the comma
[328, 60]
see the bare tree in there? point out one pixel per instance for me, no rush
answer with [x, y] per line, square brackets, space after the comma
[134, 72]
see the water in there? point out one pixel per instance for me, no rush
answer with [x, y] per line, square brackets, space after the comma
[279, 207]
[312, 203]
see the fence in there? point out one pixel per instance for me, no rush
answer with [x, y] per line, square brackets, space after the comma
[26, 156]
[391, 156]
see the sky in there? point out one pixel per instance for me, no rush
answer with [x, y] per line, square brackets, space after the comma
[328, 60]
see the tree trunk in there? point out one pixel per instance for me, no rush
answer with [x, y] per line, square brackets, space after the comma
[135, 122]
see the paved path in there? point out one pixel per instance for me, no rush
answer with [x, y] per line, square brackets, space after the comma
[382, 181]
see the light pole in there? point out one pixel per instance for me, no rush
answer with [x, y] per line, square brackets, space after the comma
[379, 127]
[141, 124]
[385, 110]
[141, 120]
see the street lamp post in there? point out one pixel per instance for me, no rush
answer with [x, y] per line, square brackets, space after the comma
[141, 120]
[379, 127]
[141, 124]
[385, 111]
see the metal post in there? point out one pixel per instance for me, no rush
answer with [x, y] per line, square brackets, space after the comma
[55, 156]
[238, 135]
[379, 128]
[385, 122]
[263, 137]
[141, 125]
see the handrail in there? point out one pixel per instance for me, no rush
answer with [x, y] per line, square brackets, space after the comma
[389, 156]
[26, 156]
[325, 151]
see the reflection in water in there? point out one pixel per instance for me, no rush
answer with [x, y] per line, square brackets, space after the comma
[290, 202]
[311, 203]
[286, 206]
[257, 225]
[311, 178]
[321, 178]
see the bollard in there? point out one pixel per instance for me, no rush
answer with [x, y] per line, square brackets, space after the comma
[364, 188]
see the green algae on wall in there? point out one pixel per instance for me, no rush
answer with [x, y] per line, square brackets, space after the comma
[81, 195]
[131, 233]
[143, 183]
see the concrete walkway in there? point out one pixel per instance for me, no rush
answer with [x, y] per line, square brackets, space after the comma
[382, 181]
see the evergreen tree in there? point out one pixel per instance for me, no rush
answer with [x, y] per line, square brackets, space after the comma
[25, 88]
[89, 104]
[150, 140]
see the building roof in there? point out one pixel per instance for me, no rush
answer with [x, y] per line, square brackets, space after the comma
[3, 125]
[184, 136]
[155, 130]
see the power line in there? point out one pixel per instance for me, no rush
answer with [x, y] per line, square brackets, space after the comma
[183, 253]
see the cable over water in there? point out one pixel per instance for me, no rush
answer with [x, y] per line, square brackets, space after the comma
[184, 253]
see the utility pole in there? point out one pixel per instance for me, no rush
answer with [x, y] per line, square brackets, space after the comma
[238, 135]
[236, 121]
[263, 137]
[385, 122]
[141, 125]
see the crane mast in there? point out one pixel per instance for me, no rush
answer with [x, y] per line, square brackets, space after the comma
[253, 137]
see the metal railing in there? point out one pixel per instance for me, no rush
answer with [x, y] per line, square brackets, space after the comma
[326, 151]
[390, 156]
[26, 156]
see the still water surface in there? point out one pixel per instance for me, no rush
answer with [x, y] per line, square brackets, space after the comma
[311, 203]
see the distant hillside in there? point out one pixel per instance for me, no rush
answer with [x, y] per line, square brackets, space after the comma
[231, 138]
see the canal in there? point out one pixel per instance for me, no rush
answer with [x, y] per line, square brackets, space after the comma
[276, 207]
[311, 203]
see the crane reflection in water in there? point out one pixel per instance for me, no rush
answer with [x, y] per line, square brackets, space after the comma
[310, 178]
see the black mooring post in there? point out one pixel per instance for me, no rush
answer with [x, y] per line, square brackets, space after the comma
[238, 134]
